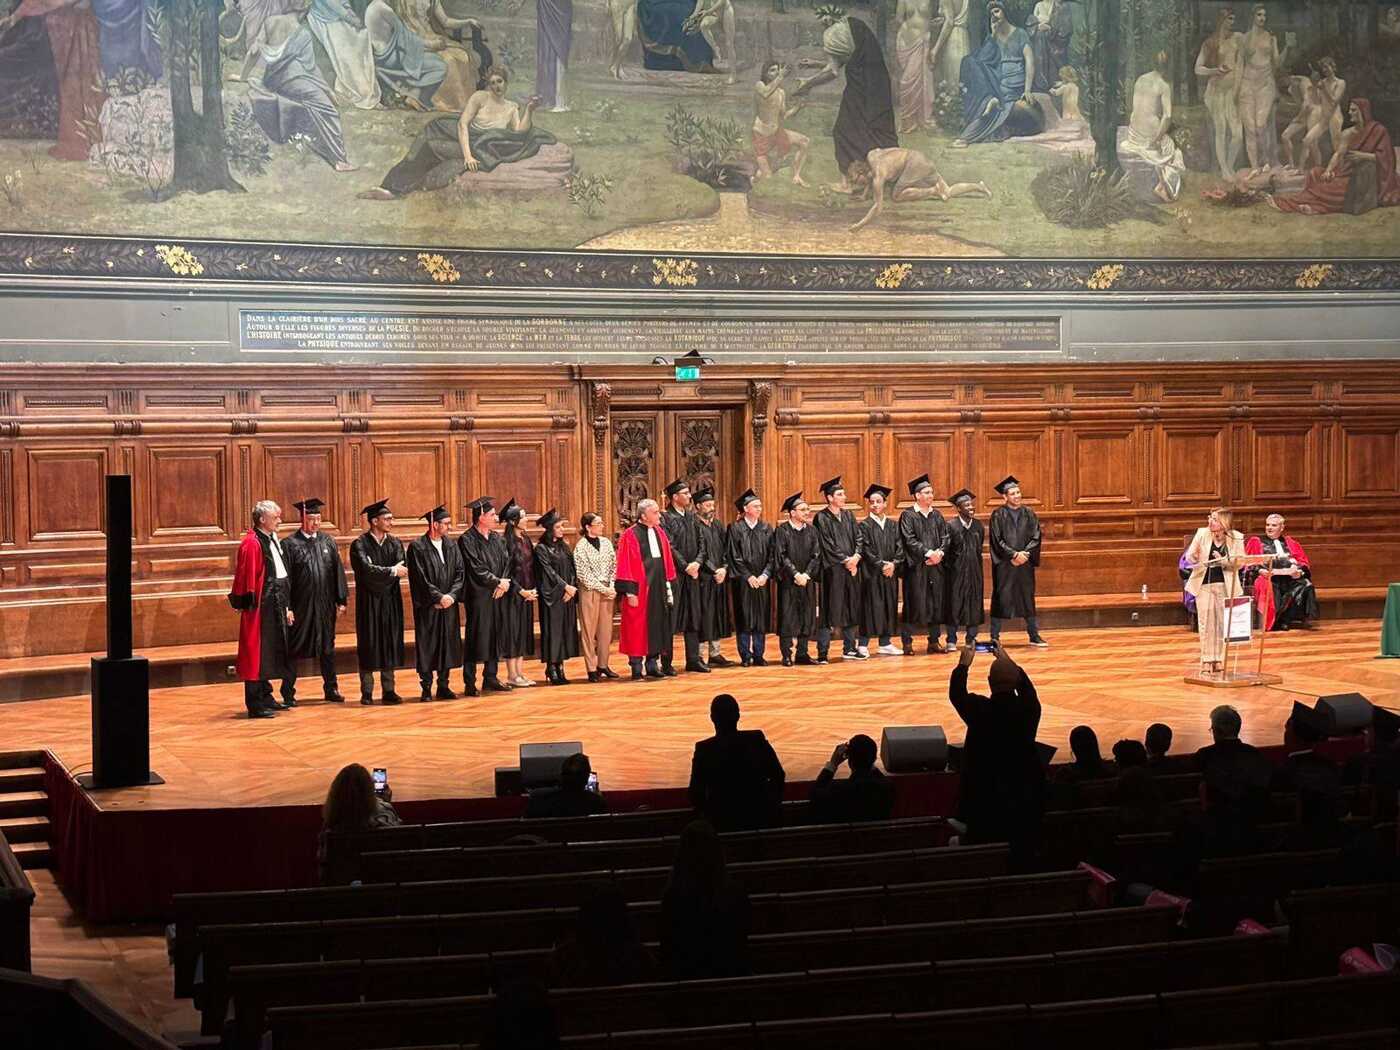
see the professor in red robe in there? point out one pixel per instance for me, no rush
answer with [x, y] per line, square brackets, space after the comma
[1283, 591]
[261, 593]
[645, 571]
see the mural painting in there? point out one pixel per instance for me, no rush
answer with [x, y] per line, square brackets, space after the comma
[916, 129]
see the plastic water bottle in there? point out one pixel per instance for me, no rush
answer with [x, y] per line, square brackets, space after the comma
[1144, 592]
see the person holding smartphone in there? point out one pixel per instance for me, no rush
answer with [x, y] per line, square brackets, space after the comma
[355, 802]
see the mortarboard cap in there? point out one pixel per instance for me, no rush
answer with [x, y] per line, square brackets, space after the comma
[748, 497]
[883, 490]
[1307, 723]
[676, 486]
[704, 494]
[546, 521]
[375, 509]
[512, 511]
[918, 483]
[831, 485]
[790, 504]
[481, 505]
[437, 514]
[960, 494]
[1005, 483]
[310, 506]
[1385, 724]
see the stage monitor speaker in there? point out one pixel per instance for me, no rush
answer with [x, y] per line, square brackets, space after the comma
[540, 763]
[913, 749]
[1345, 712]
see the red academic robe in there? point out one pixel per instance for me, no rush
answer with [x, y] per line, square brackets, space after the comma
[73, 38]
[1263, 586]
[632, 640]
[246, 596]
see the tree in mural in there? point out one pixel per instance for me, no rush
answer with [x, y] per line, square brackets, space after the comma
[201, 143]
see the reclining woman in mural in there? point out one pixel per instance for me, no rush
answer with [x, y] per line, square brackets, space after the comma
[346, 41]
[667, 43]
[911, 177]
[1050, 27]
[491, 131]
[402, 61]
[1259, 92]
[1360, 176]
[865, 119]
[430, 23]
[291, 97]
[1220, 61]
[996, 82]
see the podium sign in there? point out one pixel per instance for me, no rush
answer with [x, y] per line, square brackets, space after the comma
[1238, 621]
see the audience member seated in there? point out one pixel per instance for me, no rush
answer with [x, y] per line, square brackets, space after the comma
[867, 794]
[1088, 764]
[1231, 763]
[1136, 794]
[736, 780]
[1317, 818]
[352, 805]
[1373, 855]
[1158, 742]
[1001, 797]
[1304, 767]
[605, 948]
[572, 797]
[521, 1019]
[1378, 767]
[704, 913]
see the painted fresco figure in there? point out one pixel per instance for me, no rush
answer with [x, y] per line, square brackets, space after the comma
[772, 140]
[402, 61]
[1364, 156]
[346, 41]
[1220, 61]
[72, 33]
[996, 81]
[1319, 96]
[953, 43]
[124, 37]
[1050, 27]
[1259, 92]
[1147, 137]
[554, 30]
[708, 15]
[913, 49]
[667, 43]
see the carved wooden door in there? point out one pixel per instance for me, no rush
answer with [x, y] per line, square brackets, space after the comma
[651, 447]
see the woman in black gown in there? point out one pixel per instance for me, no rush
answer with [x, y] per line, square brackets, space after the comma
[518, 637]
[558, 587]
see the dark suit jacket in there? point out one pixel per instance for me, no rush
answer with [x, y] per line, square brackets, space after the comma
[1307, 770]
[1240, 771]
[736, 780]
[865, 795]
[1002, 791]
[556, 802]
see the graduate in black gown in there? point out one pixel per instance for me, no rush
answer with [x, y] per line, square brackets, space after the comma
[487, 562]
[963, 570]
[683, 530]
[924, 534]
[750, 555]
[1015, 542]
[797, 562]
[377, 559]
[881, 565]
[319, 595]
[715, 621]
[841, 545]
[557, 580]
[518, 606]
[436, 580]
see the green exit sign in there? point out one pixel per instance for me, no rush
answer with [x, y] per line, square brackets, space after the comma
[687, 373]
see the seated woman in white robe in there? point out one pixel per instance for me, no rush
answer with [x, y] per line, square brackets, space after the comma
[1148, 128]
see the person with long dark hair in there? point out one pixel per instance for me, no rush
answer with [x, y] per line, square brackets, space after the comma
[704, 913]
[557, 582]
[605, 948]
[518, 638]
[352, 805]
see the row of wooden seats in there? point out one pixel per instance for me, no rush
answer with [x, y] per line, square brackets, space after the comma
[1326, 921]
[1089, 794]
[897, 988]
[1195, 1017]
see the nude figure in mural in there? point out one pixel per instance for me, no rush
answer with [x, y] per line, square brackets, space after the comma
[1319, 95]
[953, 43]
[772, 141]
[910, 176]
[913, 51]
[708, 16]
[1219, 62]
[1258, 98]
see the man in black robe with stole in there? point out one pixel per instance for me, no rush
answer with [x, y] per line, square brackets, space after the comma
[1015, 541]
[750, 549]
[963, 599]
[924, 535]
[319, 595]
[882, 563]
[797, 562]
[377, 559]
[683, 530]
[842, 545]
[714, 570]
[436, 580]
[486, 561]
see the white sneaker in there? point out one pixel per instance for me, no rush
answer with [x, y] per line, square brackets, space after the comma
[521, 682]
[891, 650]
[864, 651]
[852, 655]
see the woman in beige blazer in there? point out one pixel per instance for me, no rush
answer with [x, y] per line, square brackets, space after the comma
[1211, 584]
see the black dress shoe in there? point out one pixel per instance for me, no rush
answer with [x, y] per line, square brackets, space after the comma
[637, 675]
[822, 658]
[1040, 643]
[720, 660]
[697, 667]
[366, 699]
[425, 696]
[471, 690]
[444, 693]
[594, 676]
[289, 702]
[787, 660]
[655, 672]
[495, 685]
[803, 660]
[669, 671]
[392, 698]
[559, 678]
[608, 672]
[262, 712]
[745, 661]
[334, 698]
[759, 661]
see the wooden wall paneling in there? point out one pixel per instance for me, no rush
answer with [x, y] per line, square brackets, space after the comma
[1370, 460]
[1193, 463]
[184, 495]
[514, 468]
[826, 454]
[921, 450]
[410, 473]
[1100, 464]
[1284, 462]
[7, 500]
[292, 472]
[1023, 451]
[66, 496]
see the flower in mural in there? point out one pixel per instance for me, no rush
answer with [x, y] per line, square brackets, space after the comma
[893, 275]
[1314, 275]
[677, 273]
[180, 261]
[438, 268]
[1105, 277]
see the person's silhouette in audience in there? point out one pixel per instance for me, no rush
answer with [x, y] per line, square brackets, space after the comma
[704, 913]
[1001, 796]
[736, 780]
[605, 948]
[351, 805]
[1136, 794]
[1234, 766]
[572, 797]
[521, 1019]
[867, 794]
[1378, 767]
[1304, 767]
[1088, 765]
[1158, 742]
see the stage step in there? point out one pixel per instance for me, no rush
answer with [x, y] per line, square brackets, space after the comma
[24, 804]
[21, 778]
[32, 856]
[25, 829]
[19, 759]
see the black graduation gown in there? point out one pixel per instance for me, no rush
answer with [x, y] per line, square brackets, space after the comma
[840, 594]
[683, 530]
[318, 585]
[714, 597]
[487, 562]
[518, 615]
[963, 607]
[378, 602]
[437, 631]
[880, 607]
[1013, 586]
[554, 567]
[924, 584]
[750, 553]
[865, 119]
[794, 551]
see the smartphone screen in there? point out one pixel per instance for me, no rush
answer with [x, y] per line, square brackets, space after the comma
[381, 780]
[593, 782]
[985, 647]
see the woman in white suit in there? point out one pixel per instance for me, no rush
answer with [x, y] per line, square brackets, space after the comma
[1214, 554]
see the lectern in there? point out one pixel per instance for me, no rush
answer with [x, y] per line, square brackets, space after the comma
[1237, 624]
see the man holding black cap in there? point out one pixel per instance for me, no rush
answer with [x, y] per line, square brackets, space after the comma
[436, 580]
[377, 559]
[682, 529]
[1015, 536]
[882, 563]
[261, 595]
[714, 570]
[797, 561]
[963, 604]
[319, 595]
[750, 553]
[924, 536]
[486, 561]
[842, 545]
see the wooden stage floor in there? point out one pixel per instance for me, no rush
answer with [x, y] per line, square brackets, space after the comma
[641, 735]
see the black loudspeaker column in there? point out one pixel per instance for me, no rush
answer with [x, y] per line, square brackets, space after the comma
[121, 682]
[540, 764]
[913, 749]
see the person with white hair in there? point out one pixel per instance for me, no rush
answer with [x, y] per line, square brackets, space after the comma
[261, 593]
[1283, 590]
[646, 573]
